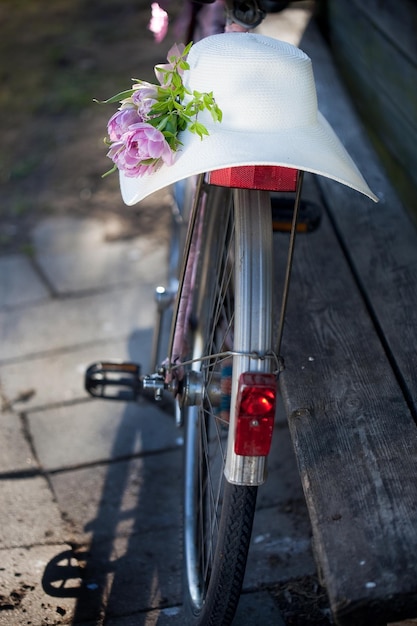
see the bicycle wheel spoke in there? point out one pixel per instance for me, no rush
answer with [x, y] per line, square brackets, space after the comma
[210, 494]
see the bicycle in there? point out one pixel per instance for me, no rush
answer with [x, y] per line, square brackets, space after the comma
[224, 356]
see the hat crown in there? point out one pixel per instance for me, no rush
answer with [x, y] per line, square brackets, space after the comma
[260, 84]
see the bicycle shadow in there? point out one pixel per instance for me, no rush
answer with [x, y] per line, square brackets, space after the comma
[132, 564]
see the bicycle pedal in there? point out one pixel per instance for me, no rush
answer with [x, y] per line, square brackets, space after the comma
[309, 215]
[114, 380]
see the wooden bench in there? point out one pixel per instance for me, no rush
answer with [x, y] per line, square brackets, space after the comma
[350, 381]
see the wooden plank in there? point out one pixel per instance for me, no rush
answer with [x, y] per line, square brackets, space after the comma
[354, 438]
[397, 21]
[381, 78]
[373, 55]
[376, 58]
[380, 240]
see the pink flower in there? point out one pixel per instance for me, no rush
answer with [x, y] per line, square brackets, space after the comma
[120, 122]
[140, 150]
[144, 97]
[159, 22]
[123, 160]
[148, 143]
[117, 153]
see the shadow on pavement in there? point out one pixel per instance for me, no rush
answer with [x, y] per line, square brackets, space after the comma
[132, 564]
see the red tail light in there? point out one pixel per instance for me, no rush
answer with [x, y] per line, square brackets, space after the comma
[269, 177]
[255, 413]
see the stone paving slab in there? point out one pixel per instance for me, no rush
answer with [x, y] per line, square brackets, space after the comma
[75, 256]
[20, 284]
[170, 616]
[16, 454]
[66, 323]
[282, 484]
[254, 609]
[132, 574]
[124, 497]
[21, 524]
[59, 377]
[281, 545]
[98, 430]
[280, 550]
[155, 572]
[60, 234]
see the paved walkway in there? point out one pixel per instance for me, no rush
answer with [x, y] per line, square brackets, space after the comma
[97, 485]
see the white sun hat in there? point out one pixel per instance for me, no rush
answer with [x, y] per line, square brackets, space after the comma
[266, 91]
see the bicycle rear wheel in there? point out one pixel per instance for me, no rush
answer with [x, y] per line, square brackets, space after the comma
[231, 313]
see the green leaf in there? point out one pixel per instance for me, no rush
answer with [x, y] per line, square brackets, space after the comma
[216, 114]
[176, 80]
[149, 161]
[119, 96]
[189, 109]
[158, 107]
[198, 129]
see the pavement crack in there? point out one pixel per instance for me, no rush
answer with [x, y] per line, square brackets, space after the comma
[35, 472]
[28, 437]
[5, 403]
[43, 277]
[106, 462]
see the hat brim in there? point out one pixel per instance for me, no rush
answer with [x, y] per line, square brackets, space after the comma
[315, 148]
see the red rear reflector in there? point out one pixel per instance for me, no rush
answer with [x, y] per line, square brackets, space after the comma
[255, 412]
[267, 177]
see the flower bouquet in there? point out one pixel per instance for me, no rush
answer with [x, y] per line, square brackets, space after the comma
[144, 132]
